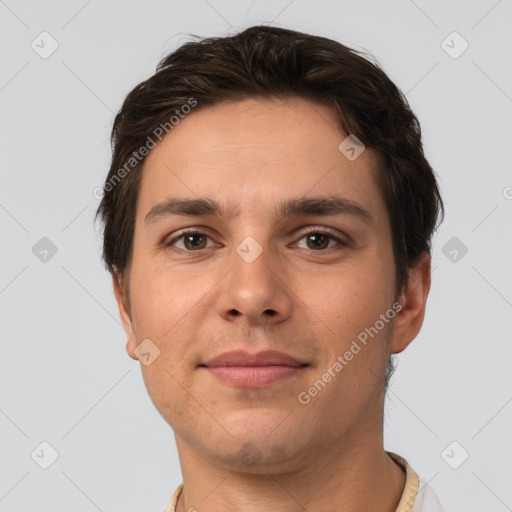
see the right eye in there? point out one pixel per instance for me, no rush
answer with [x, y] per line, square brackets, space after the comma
[193, 240]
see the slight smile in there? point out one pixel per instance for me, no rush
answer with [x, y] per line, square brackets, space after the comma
[245, 370]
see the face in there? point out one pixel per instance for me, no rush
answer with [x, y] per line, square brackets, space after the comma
[308, 281]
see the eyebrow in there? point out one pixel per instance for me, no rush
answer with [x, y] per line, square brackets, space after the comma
[323, 205]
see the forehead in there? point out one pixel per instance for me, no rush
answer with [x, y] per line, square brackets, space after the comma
[250, 154]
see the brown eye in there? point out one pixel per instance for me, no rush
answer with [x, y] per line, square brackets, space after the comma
[191, 240]
[194, 241]
[317, 240]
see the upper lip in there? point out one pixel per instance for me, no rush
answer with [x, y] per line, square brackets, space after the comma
[241, 358]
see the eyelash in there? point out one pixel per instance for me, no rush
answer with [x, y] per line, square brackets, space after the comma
[308, 232]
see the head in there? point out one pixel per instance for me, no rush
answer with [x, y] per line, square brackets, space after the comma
[298, 246]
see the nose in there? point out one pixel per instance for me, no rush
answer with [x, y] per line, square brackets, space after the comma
[255, 292]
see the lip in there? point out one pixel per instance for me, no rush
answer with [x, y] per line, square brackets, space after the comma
[243, 369]
[241, 358]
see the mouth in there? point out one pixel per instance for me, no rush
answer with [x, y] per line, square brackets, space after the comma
[245, 370]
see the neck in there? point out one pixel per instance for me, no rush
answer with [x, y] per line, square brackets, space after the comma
[353, 477]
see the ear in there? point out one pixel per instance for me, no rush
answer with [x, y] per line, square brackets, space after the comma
[413, 299]
[125, 314]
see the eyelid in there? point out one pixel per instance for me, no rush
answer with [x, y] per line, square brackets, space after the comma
[340, 238]
[338, 235]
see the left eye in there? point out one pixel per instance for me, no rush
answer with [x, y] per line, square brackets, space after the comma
[320, 240]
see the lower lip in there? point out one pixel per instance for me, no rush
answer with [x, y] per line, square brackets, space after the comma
[254, 376]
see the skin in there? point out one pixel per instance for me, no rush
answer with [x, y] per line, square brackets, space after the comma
[260, 449]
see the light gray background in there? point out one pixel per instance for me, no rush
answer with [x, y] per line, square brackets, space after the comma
[65, 376]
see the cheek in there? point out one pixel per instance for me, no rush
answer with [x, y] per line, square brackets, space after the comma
[166, 306]
[350, 298]
[159, 300]
[165, 387]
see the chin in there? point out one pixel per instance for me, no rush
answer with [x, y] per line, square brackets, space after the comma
[259, 454]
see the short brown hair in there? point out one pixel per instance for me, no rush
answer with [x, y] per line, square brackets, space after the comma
[265, 61]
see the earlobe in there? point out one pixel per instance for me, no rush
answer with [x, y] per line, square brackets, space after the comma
[131, 344]
[125, 314]
[413, 299]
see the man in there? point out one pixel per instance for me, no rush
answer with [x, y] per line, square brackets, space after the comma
[268, 217]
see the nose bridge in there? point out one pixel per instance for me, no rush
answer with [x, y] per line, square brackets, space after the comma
[252, 266]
